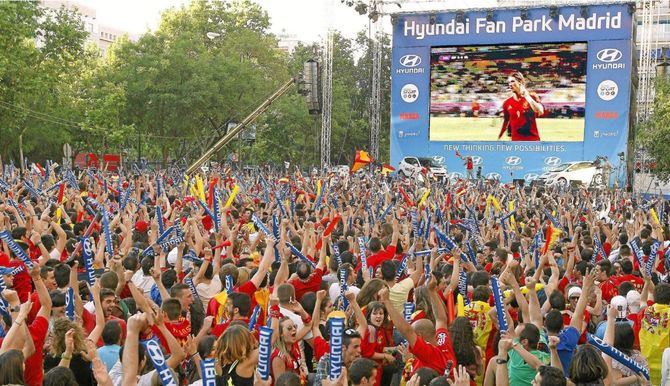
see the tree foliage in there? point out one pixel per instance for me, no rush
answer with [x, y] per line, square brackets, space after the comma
[654, 135]
[173, 93]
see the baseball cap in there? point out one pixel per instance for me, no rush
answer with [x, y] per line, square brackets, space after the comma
[633, 299]
[620, 303]
[574, 291]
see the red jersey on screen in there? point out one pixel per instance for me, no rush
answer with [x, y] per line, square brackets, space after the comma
[521, 119]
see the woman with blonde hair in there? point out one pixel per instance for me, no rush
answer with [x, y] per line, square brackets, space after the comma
[68, 349]
[237, 356]
[286, 354]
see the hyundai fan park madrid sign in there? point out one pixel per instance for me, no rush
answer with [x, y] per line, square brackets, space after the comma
[522, 91]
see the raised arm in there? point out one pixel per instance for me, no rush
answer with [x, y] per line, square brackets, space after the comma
[534, 311]
[360, 317]
[508, 278]
[453, 283]
[136, 323]
[398, 320]
[316, 314]
[205, 263]
[96, 333]
[265, 263]
[176, 350]
[441, 319]
[578, 316]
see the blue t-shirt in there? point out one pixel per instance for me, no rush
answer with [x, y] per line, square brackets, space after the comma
[109, 355]
[602, 326]
[566, 347]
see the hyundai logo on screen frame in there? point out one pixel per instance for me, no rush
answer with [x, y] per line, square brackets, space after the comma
[609, 59]
[410, 65]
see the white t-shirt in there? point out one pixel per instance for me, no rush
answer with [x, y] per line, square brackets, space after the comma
[334, 291]
[55, 254]
[144, 283]
[208, 291]
[116, 374]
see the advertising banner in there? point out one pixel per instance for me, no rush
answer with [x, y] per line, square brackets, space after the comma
[539, 93]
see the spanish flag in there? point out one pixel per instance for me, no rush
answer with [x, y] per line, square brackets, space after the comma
[387, 169]
[362, 159]
[552, 234]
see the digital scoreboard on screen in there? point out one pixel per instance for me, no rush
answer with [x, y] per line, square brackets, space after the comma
[522, 91]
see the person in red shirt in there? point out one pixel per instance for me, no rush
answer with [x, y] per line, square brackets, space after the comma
[520, 111]
[380, 255]
[306, 280]
[627, 270]
[430, 344]
[178, 325]
[608, 284]
[109, 302]
[237, 308]
[21, 281]
[34, 371]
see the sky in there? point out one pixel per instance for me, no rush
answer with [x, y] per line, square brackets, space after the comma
[308, 20]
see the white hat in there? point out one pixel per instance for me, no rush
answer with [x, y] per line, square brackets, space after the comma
[574, 291]
[633, 298]
[620, 303]
[172, 259]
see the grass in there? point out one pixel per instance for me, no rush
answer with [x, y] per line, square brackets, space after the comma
[486, 129]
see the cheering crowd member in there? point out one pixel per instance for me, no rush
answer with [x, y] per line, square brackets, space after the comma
[279, 279]
[520, 111]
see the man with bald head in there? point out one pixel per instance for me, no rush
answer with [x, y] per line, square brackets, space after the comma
[429, 343]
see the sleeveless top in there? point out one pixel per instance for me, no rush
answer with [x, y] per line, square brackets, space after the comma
[231, 378]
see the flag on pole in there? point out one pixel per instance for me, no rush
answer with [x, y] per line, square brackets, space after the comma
[362, 159]
[387, 169]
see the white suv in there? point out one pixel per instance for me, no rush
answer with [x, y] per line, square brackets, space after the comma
[412, 167]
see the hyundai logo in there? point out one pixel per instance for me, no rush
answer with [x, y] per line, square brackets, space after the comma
[530, 176]
[609, 55]
[155, 353]
[477, 160]
[438, 159]
[513, 160]
[493, 176]
[552, 161]
[410, 60]
[456, 175]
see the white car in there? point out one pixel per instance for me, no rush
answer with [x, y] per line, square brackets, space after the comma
[339, 170]
[584, 172]
[413, 166]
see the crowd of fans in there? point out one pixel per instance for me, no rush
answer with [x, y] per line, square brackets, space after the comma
[151, 277]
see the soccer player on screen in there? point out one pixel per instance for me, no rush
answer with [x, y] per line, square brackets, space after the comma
[520, 111]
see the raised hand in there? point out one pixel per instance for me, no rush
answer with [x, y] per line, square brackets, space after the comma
[321, 295]
[383, 294]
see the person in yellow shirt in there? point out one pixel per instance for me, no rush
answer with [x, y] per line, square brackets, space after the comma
[655, 330]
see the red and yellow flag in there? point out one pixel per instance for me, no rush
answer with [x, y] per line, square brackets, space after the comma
[362, 159]
[551, 235]
[386, 169]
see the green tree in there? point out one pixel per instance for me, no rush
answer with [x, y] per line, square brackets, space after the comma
[39, 59]
[654, 135]
[182, 88]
